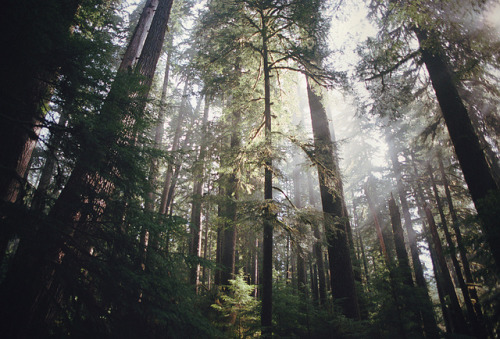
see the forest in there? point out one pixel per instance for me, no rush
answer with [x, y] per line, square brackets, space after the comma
[250, 168]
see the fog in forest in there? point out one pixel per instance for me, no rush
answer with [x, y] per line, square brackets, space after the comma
[250, 168]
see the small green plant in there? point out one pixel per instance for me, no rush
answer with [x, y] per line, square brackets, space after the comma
[239, 307]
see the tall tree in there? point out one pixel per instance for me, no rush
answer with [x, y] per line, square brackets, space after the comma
[401, 20]
[428, 317]
[28, 75]
[80, 201]
[342, 276]
[478, 329]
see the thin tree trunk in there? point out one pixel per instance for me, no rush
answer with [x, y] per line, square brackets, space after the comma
[198, 173]
[399, 241]
[174, 148]
[478, 329]
[40, 197]
[421, 201]
[428, 317]
[461, 248]
[145, 236]
[404, 263]
[301, 264]
[268, 225]
[313, 272]
[383, 249]
[342, 277]
[178, 166]
[159, 131]
[458, 320]
[229, 208]
[318, 250]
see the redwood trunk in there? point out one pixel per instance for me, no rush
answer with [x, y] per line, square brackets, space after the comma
[342, 277]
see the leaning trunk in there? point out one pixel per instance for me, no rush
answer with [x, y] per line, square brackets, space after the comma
[478, 176]
[83, 199]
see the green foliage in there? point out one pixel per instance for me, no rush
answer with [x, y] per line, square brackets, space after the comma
[239, 308]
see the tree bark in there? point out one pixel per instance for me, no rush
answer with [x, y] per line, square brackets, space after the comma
[40, 197]
[380, 236]
[318, 249]
[399, 241]
[138, 38]
[342, 277]
[159, 131]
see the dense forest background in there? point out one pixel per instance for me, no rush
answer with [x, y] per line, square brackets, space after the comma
[250, 168]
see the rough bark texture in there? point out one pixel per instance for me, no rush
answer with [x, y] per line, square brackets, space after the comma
[342, 277]
[470, 155]
[138, 38]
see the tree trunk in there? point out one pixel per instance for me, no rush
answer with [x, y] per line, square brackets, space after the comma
[25, 86]
[268, 225]
[159, 131]
[478, 176]
[457, 317]
[342, 277]
[380, 236]
[82, 199]
[318, 249]
[478, 329]
[178, 166]
[175, 147]
[138, 38]
[399, 241]
[461, 248]
[198, 174]
[40, 197]
[428, 317]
